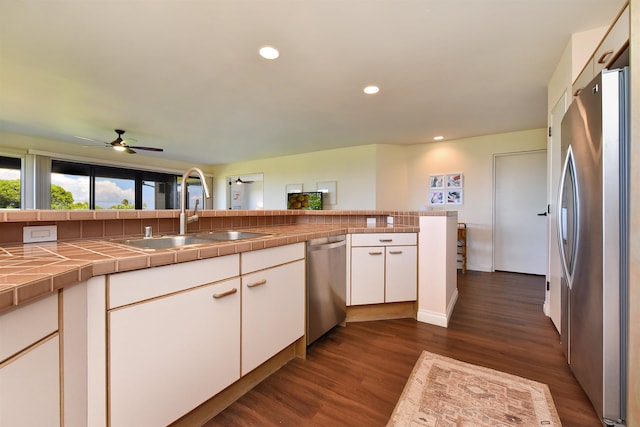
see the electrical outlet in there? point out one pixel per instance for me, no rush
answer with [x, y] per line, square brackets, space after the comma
[40, 233]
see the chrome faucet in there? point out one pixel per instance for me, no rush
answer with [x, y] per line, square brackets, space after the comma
[184, 217]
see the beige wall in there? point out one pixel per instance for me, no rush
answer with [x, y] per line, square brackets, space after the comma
[392, 185]
[352, 168]
[472, 157]
[393, 177]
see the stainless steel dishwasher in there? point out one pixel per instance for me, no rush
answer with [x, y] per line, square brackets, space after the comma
[326, 285]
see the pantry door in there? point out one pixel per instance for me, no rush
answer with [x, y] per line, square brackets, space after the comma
[520, 220]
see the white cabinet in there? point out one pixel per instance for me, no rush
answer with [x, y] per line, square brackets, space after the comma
[367, 275]
[611, 46]
[170, 353]
[180, 334]
[615, 40]
[30, 387]
[401, 276]
[30, 365]
[273, 300]
[383, 268]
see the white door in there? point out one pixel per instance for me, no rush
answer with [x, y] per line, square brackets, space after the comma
[520, 233]
[552, 305]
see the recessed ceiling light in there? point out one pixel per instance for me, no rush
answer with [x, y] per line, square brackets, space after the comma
[438, 138]
[268, 52]
[370, 90]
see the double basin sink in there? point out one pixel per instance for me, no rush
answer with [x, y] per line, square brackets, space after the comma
[174, 241]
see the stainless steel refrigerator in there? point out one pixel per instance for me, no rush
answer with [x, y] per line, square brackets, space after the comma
[593, 235]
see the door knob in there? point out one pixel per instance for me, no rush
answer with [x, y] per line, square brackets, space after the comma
[542, 214]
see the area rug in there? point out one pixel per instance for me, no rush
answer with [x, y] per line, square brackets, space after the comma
[446, 392]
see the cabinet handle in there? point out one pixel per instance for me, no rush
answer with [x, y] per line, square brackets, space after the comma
[385, 240]
[258, 283]
[225, 293]
[604, 56]
[395, 252]
[375, 253]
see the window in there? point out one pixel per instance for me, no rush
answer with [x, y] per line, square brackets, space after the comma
[70, 185]
[82, 186]
[195, 192]
[10, 191]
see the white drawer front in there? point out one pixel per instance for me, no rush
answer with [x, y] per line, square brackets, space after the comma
[134, 286]
[384, 239]
[265, 258]
[27, 324]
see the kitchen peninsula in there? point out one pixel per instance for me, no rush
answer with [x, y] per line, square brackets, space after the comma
[62, 304]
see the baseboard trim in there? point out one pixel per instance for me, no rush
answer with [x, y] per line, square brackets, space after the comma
[452, 304]
[437, 318]
[480, 267]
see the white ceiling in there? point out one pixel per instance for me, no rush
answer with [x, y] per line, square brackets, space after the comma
[185, 75]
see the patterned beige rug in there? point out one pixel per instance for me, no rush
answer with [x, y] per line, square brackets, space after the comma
[446, 392]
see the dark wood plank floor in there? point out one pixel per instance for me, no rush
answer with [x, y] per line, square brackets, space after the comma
[353, 376]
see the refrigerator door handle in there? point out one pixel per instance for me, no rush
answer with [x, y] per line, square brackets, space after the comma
[568, 172]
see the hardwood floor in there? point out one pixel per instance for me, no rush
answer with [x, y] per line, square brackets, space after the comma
[354, 375]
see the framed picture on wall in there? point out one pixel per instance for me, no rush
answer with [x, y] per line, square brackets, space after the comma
[454, 180]
[454, 197]
[436, 197]
[436, 182]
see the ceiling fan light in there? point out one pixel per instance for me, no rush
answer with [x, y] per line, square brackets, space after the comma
[119, 148]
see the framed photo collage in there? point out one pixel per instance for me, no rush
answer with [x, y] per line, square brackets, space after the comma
[445, 189]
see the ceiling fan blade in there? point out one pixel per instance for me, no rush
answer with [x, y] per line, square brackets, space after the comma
[123, 144]
[88, 139]
[146, 148]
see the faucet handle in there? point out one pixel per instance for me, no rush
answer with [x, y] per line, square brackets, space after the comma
[195, 210]
[194, 217]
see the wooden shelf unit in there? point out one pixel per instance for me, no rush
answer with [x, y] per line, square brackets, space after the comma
[462, 246]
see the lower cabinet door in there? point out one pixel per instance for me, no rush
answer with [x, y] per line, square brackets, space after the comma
[367, 275]
[168, 355]
[30, 387]
[402, 273]
[272, 312]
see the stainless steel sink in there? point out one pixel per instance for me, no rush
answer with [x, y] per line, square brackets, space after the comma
[164, 242]
[225, 236]
[174, 241]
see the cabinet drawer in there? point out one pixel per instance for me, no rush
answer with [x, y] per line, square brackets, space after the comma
[383, 239]
[27, 324]
[265, 258]
[134, 286]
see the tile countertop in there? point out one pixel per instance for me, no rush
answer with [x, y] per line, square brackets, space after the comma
[28, 271]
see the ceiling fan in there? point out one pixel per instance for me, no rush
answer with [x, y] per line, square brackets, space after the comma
[123, 144]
